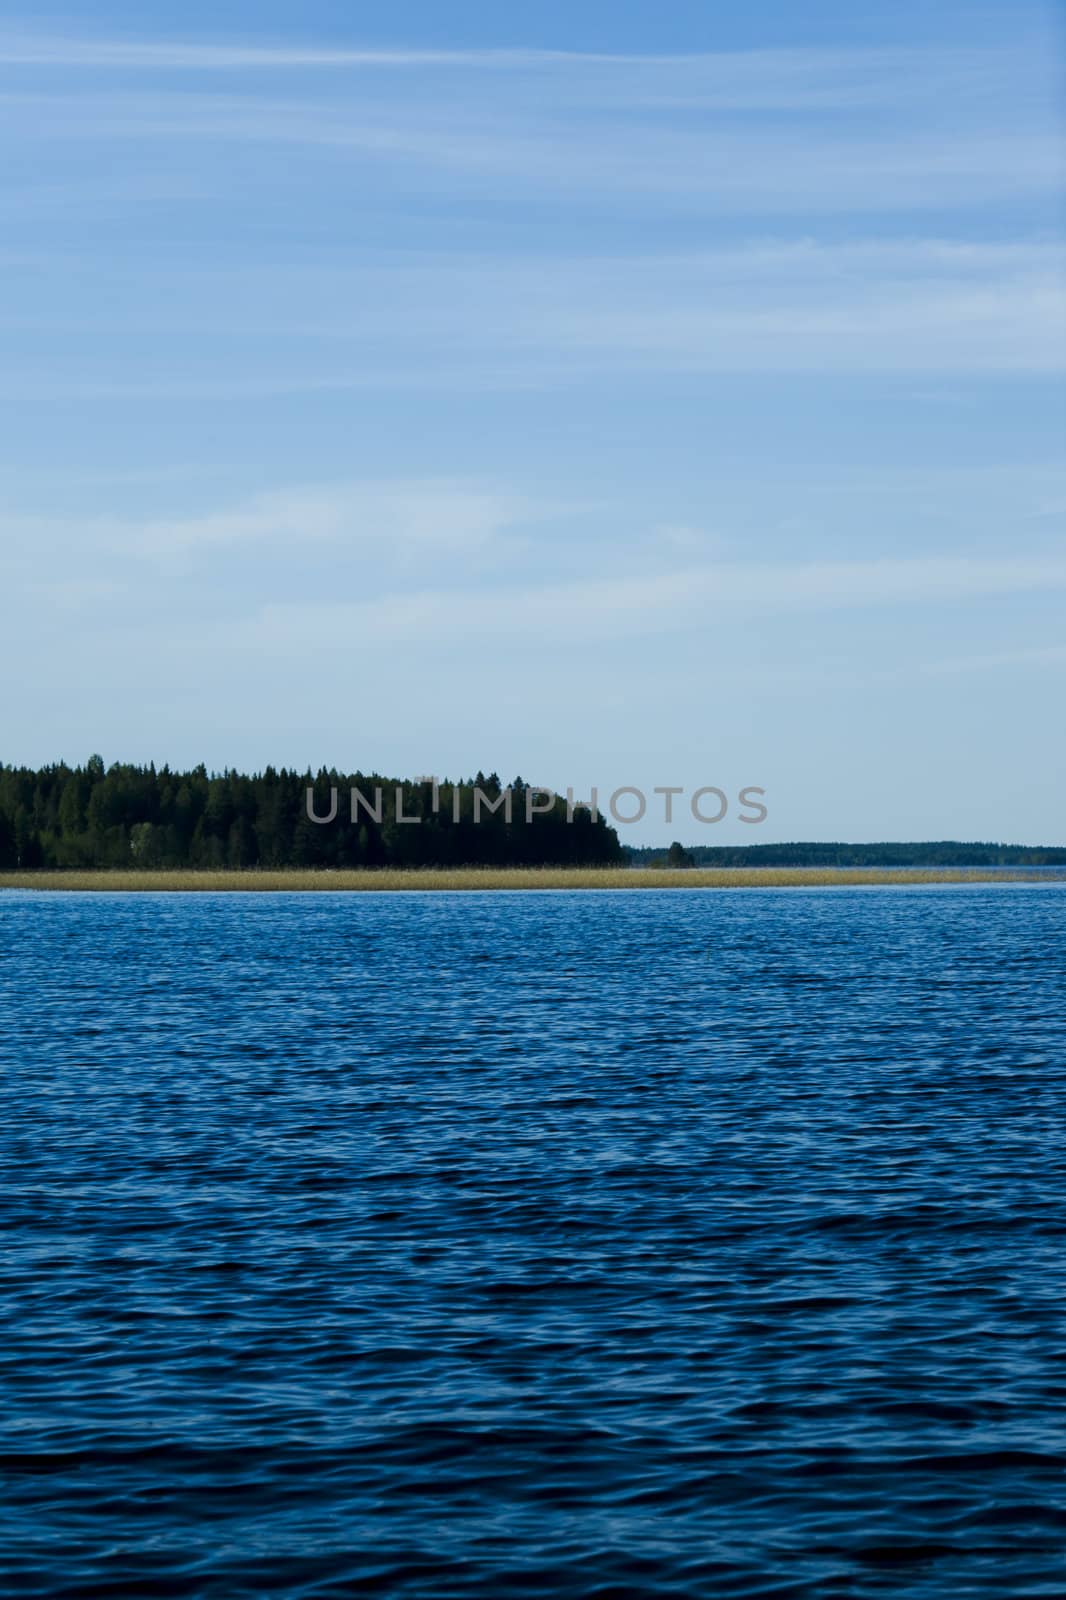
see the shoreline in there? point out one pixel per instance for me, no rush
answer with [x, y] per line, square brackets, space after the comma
[391, 880]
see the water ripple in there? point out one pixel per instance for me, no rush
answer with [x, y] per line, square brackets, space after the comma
[694, 1244]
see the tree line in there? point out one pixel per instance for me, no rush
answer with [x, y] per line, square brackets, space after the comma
[143, 816]
[935, 853]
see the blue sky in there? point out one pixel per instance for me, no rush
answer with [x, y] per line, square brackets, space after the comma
[600, 395]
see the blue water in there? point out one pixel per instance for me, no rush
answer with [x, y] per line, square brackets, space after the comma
[599, 1245]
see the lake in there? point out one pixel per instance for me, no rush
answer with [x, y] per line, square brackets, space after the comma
[584, 1244]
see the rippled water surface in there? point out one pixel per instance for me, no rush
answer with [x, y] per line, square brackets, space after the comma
[617, 1244]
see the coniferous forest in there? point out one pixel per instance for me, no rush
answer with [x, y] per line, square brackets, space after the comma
[930, 853]
[127, 816]
[136, 816]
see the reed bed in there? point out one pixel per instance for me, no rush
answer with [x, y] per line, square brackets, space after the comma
[256, 880]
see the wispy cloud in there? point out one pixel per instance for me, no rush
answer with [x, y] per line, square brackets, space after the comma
[474, 559]
[920, 306]
[726, 594]
[743, 167]
[392, 522]
[973, 81]
[850, 74]
[171, 55]
[397, 519]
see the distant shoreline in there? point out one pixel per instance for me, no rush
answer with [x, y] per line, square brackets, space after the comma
[391, 880]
